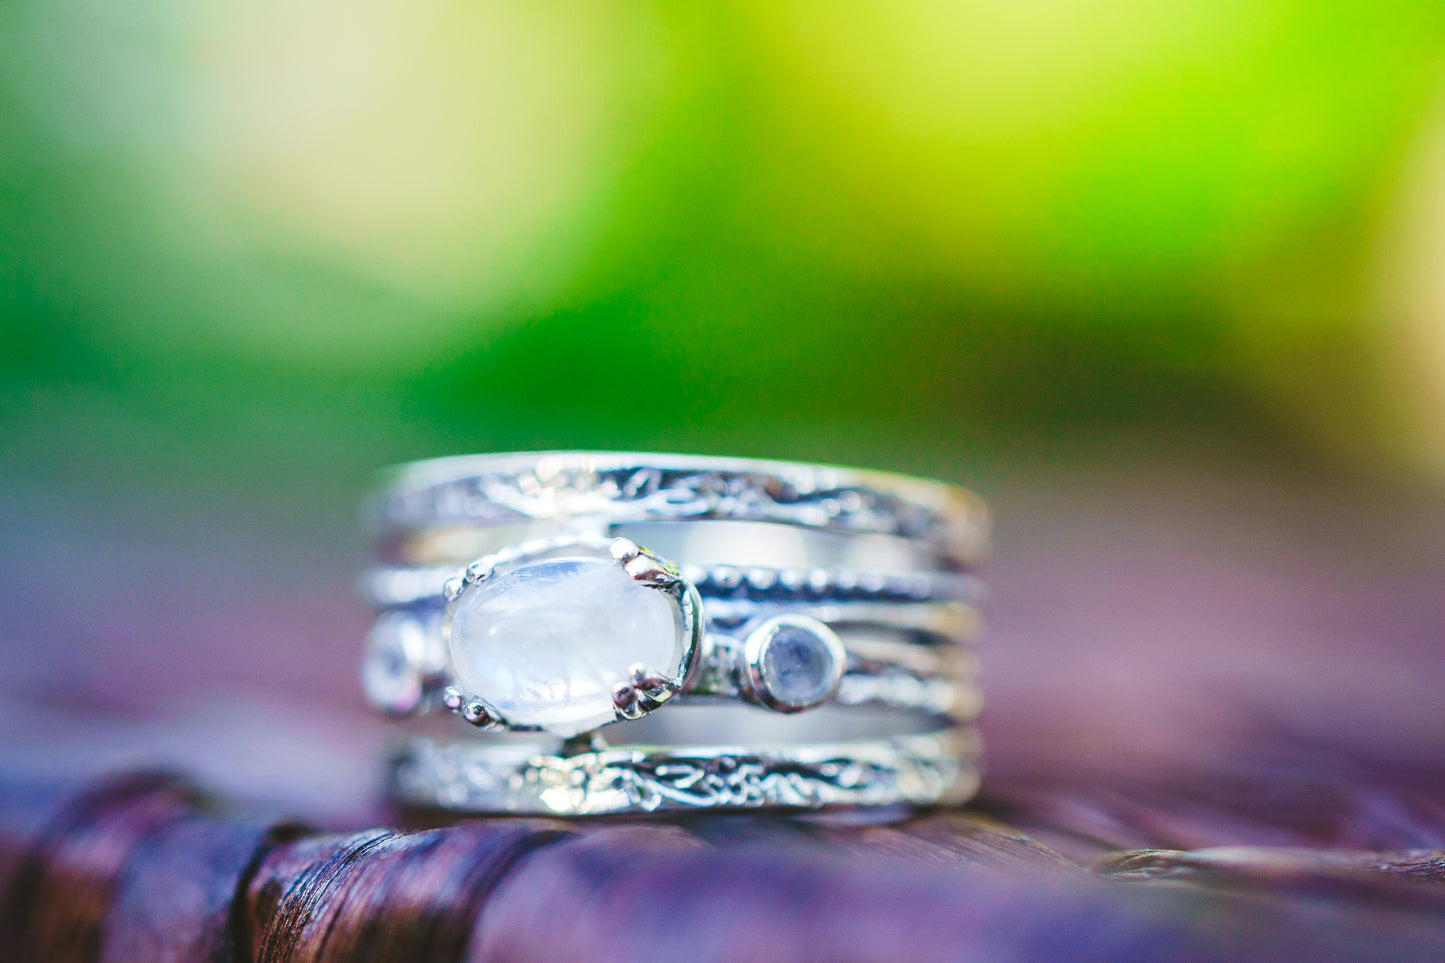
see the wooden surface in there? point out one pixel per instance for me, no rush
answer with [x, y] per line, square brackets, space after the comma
[1216, 731]
[142, 868]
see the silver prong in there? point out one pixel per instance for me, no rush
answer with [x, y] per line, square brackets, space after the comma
[477, 715]
[647, 681]
[453, 587]
[625, 699]
[452, 698]
[624, 549]
[650, 570]
[649, 688]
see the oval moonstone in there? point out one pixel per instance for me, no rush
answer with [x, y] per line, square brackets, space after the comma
[545, 642]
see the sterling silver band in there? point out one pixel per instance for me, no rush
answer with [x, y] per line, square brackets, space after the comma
[616, 487]
[861, 581]
[918, 770]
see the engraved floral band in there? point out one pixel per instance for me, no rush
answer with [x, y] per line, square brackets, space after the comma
[807, 630]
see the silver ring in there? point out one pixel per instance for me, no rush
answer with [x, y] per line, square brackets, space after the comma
[585, 632]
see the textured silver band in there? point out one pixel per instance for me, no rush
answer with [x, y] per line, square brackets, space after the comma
[615, 487]
[473, 777]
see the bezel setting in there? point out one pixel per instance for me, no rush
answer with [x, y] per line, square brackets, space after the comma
[403, 662]
[646, 688]
[759, 684]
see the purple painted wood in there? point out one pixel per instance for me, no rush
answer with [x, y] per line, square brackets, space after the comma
[139, 869]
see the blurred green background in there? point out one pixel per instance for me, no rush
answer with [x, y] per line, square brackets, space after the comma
[253, 246]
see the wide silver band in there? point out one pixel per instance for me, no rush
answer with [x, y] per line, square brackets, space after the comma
[876, 569]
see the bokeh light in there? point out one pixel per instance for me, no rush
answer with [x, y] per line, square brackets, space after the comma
[249, 231]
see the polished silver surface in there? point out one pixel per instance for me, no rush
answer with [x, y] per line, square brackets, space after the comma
[703, 541]
[942, 623]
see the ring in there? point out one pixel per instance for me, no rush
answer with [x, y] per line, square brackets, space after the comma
[794, 636]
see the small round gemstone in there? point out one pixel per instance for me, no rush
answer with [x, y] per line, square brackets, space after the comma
[544, 643]
[798, 666]
[389, 675]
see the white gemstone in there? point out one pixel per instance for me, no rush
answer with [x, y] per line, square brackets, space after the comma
[544, 643]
